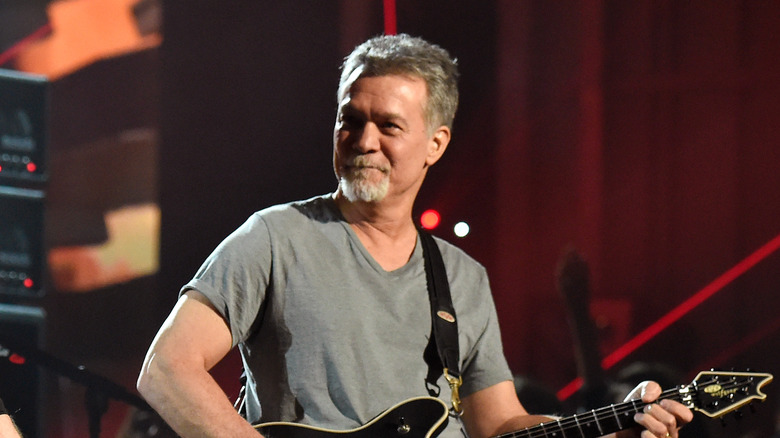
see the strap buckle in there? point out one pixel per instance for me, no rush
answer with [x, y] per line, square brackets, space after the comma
[454, 383]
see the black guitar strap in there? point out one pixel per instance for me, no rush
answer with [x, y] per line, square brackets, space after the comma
[445, 324]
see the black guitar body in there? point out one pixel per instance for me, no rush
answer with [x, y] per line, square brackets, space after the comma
[422, 417]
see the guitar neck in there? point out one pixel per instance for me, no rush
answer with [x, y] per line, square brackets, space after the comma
[594, 423]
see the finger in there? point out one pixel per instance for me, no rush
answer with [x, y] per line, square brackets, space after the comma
[657, 420]
[665, 417]
[650, 391]
[647, 391]
[653, 427]
[683, 414]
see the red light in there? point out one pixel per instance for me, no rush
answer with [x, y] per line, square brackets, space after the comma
[28, 283]
[31, 167]
[16, 359]
[430, 219]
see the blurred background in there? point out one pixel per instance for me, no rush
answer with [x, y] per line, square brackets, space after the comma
[617, 164]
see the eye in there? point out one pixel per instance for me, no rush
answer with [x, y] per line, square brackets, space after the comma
[390, 127]
[349, 122]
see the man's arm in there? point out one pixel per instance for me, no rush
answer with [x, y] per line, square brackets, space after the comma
[8, 428]
[496, 410]
[175, 378]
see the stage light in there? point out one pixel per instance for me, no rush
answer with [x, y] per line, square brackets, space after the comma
[16, 359]
[430, 219]
[461, 229]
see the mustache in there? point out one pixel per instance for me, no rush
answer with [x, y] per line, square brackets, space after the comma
[362, 162]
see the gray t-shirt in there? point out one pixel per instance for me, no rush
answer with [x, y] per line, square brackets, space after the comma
[327, 336]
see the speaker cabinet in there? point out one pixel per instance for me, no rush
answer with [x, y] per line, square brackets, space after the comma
[23, 127]
[21, 380]
[21, 243]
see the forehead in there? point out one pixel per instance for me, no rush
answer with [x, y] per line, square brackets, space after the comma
[388, 90]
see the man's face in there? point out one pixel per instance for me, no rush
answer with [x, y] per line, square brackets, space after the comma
[382, 146]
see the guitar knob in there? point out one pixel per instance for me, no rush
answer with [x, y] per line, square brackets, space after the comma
[403, 428]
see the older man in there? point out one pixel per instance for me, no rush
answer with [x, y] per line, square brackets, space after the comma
[326, 298]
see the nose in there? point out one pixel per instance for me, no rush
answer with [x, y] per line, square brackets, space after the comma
[367, 138]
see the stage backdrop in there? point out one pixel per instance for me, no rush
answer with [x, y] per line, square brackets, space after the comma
[641, 133]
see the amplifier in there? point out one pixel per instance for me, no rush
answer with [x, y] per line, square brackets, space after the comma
[22, 258]
[22, 382]
[23, 127]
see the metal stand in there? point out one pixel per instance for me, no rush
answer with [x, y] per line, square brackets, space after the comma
[99, 389]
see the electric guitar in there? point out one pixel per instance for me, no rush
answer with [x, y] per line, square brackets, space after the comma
[711, 393]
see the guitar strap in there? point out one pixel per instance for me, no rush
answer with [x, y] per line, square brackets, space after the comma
[445, 324]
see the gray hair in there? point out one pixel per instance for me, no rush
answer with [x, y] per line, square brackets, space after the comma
[406, 55]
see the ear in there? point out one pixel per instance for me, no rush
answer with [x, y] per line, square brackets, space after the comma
[437, 145]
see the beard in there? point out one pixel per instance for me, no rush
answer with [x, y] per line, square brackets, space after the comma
[360, 183]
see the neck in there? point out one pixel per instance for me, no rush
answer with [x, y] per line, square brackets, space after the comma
[385, 229]
[390, 217]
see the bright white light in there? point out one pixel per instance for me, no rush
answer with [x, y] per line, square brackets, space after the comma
[461, 229]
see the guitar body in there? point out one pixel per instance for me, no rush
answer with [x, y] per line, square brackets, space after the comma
[422, 417]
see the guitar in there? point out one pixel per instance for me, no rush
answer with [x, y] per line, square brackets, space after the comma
[711, 393]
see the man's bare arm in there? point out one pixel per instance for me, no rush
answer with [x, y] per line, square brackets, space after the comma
[495, 410]
[175, 378]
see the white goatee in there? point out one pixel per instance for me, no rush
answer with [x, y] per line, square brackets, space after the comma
[357, 183]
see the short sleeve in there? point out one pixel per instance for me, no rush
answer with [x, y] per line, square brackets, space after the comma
[236, 275]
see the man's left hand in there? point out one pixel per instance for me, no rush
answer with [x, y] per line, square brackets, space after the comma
[658, 420]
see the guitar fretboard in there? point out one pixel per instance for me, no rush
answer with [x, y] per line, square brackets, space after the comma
[597, 422]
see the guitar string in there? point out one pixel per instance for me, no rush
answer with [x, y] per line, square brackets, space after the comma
[609, 412]
[674, 393]
[625, 407]
[586, 417]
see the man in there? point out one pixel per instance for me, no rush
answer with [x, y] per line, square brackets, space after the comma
[326, 298]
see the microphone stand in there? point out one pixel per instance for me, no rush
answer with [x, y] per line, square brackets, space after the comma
[99, 389]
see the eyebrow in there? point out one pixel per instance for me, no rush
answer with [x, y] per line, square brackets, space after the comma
[352, 111]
